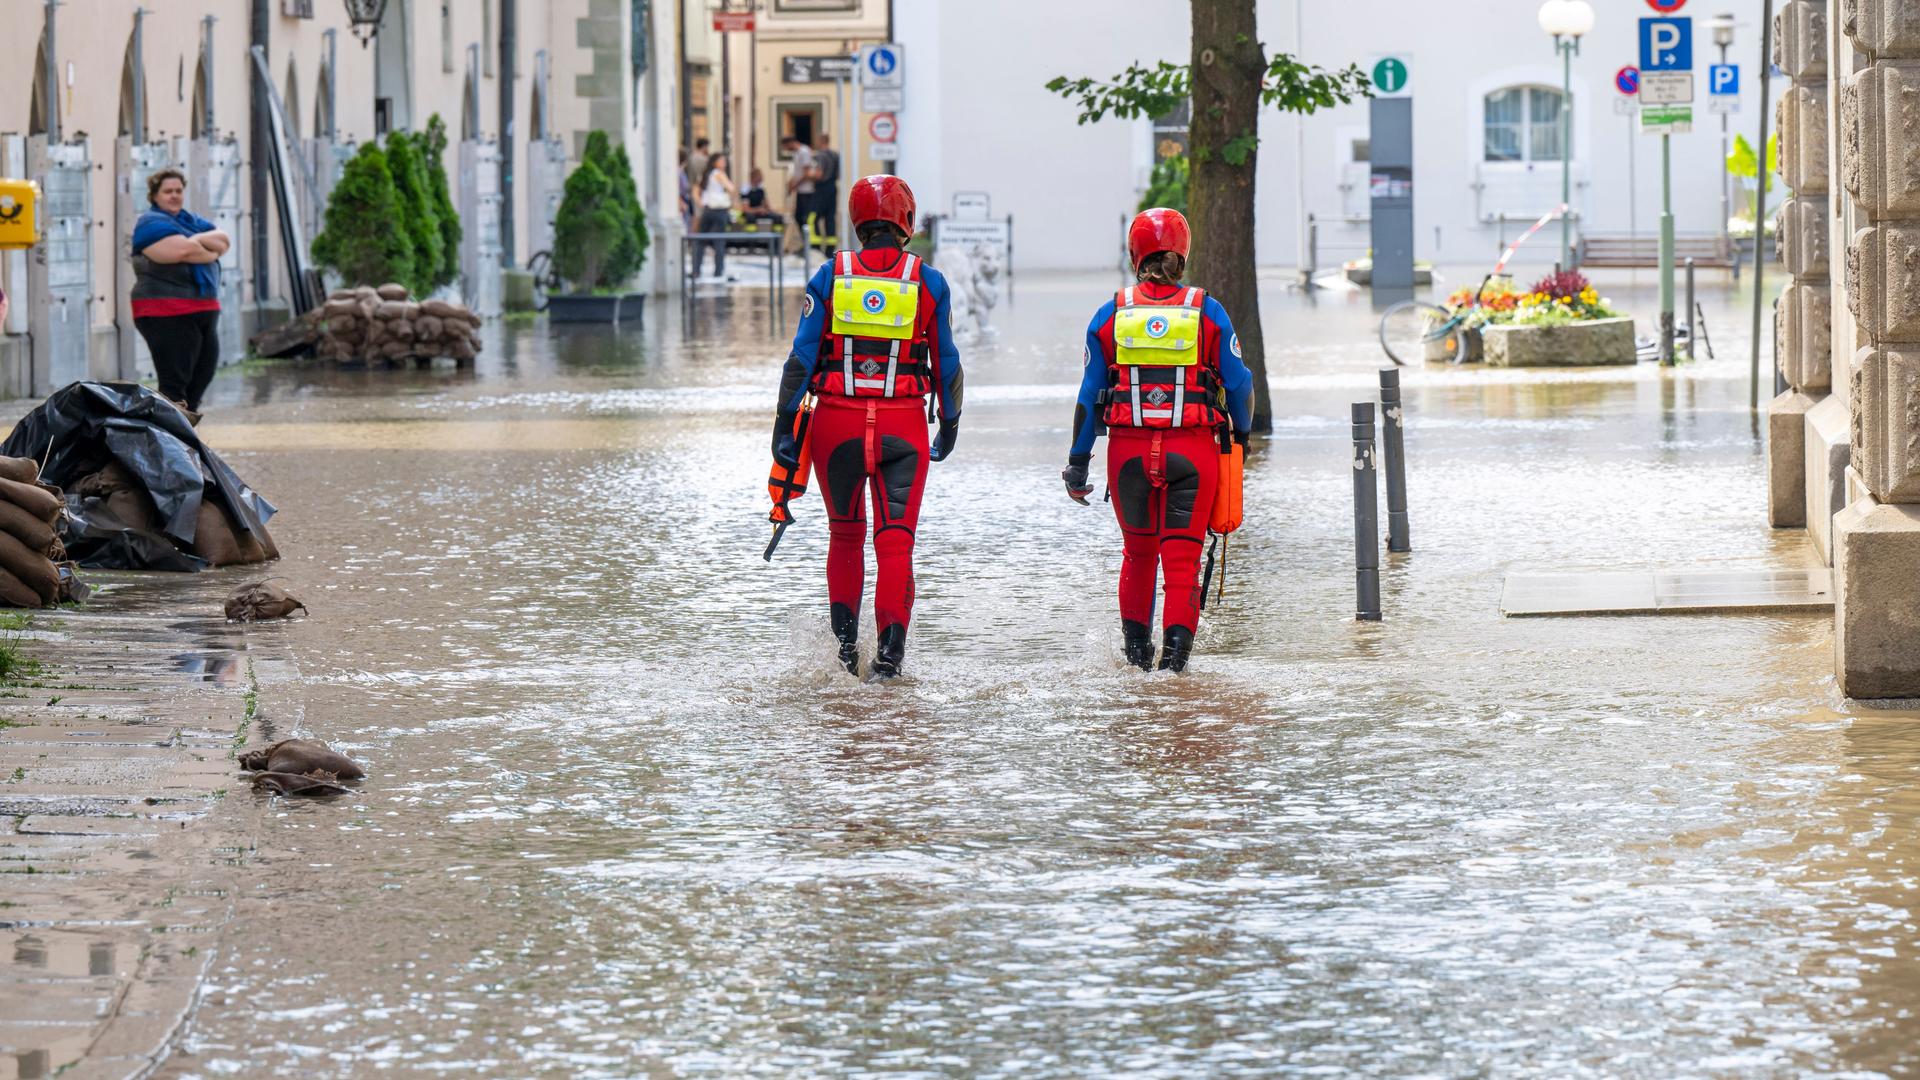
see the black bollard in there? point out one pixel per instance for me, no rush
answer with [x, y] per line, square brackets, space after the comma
[1366, 516]
[1394, 445]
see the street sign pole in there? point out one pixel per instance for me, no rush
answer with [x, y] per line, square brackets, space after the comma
[1666, 249]
[1566, 150]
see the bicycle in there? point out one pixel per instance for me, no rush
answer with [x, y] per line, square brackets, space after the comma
[546, 278]
[1415, 330]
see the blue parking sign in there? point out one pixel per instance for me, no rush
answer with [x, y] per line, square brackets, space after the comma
[1723, 78]
[1666, 45]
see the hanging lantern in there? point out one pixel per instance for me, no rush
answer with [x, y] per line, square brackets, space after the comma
[365, 16]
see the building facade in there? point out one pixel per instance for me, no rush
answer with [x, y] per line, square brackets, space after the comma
[184, 96]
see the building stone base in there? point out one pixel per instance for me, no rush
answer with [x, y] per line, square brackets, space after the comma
[1787, 460]
[1828, 447]
[16, 366]
[1876, 637]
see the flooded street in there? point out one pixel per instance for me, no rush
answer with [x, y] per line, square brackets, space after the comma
[626, 817]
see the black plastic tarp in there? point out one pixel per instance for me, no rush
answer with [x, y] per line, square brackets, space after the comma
[85, 425]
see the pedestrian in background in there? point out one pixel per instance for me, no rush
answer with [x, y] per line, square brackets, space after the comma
[753, 199]
[799, 192]
[176, 290]
[826, 185]
[697, 161]
[686, 193]
[717, 195]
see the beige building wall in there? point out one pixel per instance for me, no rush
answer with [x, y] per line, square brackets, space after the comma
[787, 28]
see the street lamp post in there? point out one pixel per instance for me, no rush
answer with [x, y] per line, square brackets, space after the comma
[1568, 21]
[1723, 37]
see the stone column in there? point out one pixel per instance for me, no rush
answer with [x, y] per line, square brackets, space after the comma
[1876, 539]
[1803, 320]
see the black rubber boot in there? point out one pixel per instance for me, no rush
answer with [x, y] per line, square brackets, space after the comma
[1176, 648]
[892, 650]
[1138, 641]
[846, 627]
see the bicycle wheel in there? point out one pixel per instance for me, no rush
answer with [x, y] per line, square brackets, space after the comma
[1413, 333]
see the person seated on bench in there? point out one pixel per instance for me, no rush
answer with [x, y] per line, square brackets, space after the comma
[753, 200]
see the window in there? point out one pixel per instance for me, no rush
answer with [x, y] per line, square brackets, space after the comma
[486, 38]
[1523, 124]
[446, 35]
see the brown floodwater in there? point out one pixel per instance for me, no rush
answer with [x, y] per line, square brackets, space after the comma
[625, 817]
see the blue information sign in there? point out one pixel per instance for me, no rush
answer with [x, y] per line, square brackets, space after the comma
[1723, 78]
[1666, 45]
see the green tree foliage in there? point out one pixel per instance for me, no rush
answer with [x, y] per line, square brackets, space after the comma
[1168, 185]
[1228, 80]
[433, 147]
[586, 230]
[358, 240]
[417, 219]
[636, 235]
[629, 252]
[1744, 163]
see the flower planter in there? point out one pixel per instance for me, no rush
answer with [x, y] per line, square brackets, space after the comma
[1581, 344]
[633, 306]
[583, 309]
[1362, 275]
[1440, 350]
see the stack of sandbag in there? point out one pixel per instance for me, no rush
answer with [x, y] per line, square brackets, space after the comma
[378, 325]
[218, 540]
[143, 491]
[34, 571]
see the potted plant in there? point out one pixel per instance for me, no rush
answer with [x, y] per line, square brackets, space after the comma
[586, 231]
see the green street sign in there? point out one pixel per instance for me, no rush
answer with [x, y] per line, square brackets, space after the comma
[1390, 75]
[1666, 119]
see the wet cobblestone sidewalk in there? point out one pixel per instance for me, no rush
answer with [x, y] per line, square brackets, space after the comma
[115, 755]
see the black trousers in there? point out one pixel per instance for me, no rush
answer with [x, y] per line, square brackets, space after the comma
[186, 352]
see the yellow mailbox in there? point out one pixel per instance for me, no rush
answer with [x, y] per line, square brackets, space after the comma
[19, 214]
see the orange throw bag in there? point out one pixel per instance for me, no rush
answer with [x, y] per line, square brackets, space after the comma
[1226, 492]
[784, 484]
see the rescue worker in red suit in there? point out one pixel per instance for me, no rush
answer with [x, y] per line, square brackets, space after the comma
[1163, 375]
[875, 340]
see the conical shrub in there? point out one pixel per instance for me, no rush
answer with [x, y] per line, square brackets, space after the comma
[358, 240]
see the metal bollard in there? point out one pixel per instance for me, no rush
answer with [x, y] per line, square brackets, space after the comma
[1394, 447]
[1693, 317]
[1366, 516]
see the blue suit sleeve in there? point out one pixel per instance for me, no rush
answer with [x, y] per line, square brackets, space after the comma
[952, 387]
[1233, 371]
[1093, 380]
[805, 357]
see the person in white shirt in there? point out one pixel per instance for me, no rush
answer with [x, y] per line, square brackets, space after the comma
[716, 195]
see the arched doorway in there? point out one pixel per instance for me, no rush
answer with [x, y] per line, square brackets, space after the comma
[131, 97]
[198, 119]
[322, 104]
[466, 110]
[37, 118]
[290, 101]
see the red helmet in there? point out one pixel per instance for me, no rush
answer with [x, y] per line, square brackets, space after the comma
[1157, 230]
[881, 198]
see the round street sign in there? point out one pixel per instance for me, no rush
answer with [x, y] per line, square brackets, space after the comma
[883, 127]
[1390, 75]
[1627, 80]
[1666, 7]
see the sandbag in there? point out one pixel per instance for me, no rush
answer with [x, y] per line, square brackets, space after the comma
[303, 756]
[392, 291]
[20, 470]
[31, 568]
[261, 600]
[29, 530]
[15, 593]
[316, 783]
[32, 498]
[134, 508]
[216, 540]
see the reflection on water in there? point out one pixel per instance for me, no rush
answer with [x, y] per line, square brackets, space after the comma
[625, 818]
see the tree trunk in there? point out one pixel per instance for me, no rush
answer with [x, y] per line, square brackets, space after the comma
[1227, 68]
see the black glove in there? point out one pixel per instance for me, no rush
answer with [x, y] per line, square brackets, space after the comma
[1240, 439]
[943, 442]
[1078, 487]
[785, 451]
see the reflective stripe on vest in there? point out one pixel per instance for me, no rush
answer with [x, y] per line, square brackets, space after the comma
[1158, 336]
[878, 309]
